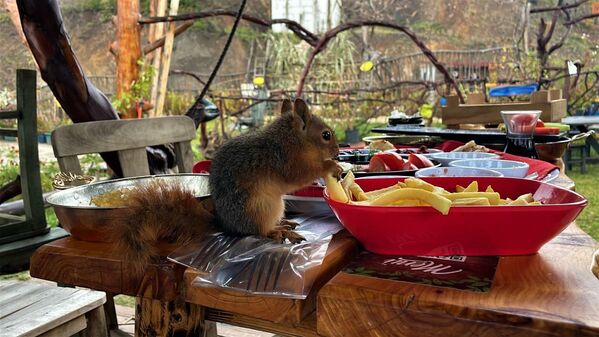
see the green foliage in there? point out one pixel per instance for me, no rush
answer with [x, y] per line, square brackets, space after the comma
[48, 170]
[51, 219]
[178, 103]
[244, 33]
[20, 276]
[588, 185]
[140, 88]
[9, 165]
[124, 300]
[426, 26]
[92, 164]
[7, 99]
[4, 17]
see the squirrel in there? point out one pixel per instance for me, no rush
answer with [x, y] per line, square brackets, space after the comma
[249, 176]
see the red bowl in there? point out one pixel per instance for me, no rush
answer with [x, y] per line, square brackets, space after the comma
[309, 191]
[203, 166]
[466, 230]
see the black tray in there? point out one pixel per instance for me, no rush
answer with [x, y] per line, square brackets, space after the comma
[400, 121]
[479, 136]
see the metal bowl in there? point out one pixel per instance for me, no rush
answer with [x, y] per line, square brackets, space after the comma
[552, 151]
[401, 139]
[87, 222]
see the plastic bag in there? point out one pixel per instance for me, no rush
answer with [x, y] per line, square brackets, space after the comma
[259, 265]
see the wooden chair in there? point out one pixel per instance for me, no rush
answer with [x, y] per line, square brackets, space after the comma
[20, 236]
[130, 139]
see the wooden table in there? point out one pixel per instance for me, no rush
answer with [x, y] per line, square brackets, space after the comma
[553, 293]
[166, 304]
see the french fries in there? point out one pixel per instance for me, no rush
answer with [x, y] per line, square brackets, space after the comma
[437, 201]
[413, 192]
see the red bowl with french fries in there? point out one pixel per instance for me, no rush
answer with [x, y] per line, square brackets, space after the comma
[465, 229]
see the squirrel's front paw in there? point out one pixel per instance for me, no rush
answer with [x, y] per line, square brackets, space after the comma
[334, 168]
[280, 233]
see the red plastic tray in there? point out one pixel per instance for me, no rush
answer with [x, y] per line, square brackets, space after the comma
[470, 230]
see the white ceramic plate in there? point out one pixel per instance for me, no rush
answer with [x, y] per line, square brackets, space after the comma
[447, 157]
[457, 172]
[508, 168]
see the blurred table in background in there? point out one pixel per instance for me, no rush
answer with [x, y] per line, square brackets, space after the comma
[584, 124]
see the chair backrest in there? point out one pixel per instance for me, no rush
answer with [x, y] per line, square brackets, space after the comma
[129, 137]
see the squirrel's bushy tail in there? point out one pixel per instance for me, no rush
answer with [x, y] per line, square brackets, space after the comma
[155, 212]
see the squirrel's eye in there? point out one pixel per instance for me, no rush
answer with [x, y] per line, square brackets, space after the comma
[326, 135]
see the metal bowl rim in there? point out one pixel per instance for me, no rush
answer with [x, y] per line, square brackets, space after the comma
[51, 197]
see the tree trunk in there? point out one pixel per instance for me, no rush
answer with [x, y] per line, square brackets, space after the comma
[128, 49]
[166, 59]
[157, 60]
[81, 100]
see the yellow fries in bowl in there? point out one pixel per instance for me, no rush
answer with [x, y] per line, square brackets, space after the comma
[414, 192]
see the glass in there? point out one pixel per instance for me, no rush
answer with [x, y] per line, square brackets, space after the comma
[520, 127]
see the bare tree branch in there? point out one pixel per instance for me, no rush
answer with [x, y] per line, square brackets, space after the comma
[581, 18]
[188, 73]
[557, 8]
[324, 40]
[160, 42]
[294, 26]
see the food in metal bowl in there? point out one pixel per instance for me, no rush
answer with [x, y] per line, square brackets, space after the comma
[114, 198]
[88, 221]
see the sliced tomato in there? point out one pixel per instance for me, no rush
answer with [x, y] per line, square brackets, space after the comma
[540, 123]
[377, 165]
[546, 131]
[392, 160]
[407, 166]
[419, 160]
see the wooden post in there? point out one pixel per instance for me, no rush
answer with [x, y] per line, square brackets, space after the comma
[31, 184]
[166, 59]
[168, 319]
[157, 60]
[128, 50]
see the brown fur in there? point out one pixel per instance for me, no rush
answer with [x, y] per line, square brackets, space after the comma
[159, 212]
[251, 173]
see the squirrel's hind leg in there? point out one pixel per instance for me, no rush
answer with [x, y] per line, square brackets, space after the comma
[285, 230]
[280, 233]
[267, 210]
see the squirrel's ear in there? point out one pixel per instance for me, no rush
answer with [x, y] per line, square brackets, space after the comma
[285, 106]
[301, 109]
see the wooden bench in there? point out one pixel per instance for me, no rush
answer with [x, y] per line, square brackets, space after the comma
[35, 309]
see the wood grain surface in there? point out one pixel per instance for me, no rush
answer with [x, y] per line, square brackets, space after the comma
[31, 309]
[115, 135]
[168, 319]
[552, 293]
[99, 266]
[273, 309]
[129, 137]
[476, 111]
